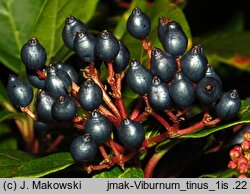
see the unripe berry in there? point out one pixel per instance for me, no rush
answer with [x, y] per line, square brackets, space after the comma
[90, 95]
[245, 145]
[242, 168]
[246, 135]
[106, 46]
[83, 149]
[71, 27]
[84, 45]
[158, 95]
[33, 54]
[19, 93]
[122, 59]
[229, 105]
[138, 78]
[247, 156]
[64, 108]
[232, 164]
[235, 154]
[131, 133]
[163, 65]
[172, 37]
[194, 63]
[99, 127]
[138, 24]
[182, 91]
[242, 176]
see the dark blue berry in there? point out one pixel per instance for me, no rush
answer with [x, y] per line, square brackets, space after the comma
[182, 91]
[71, 71]
[57, 82]
[34, 79]
[172, 37]
[138, 24]
[212, 73]
[194, 63]
[122, 59]
[131, 133]
[33, 54]
[40, 128]
[99, 127]
[64, 108]
[90, 95]
[84, 45]
[163, 65]
[43, 105]
[208, 90]
[83, 149]
[158, 95]
[229, 105]
[106, 46]
[19, 93]
[71, 27]
[138, 78]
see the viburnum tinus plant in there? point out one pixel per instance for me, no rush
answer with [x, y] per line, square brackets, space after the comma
[86, 108]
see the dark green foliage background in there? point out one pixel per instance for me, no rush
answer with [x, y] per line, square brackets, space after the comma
[222, 27]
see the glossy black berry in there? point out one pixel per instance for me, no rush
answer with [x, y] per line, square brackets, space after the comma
[172, 37]
[64, 108]
[131, 133]
[106, 46]
[138, 78]
[19, 93]
[208, 90]
[163, 65]
[84, 45]
[43, 106]
[99, 127]
[40, 128]
[122, 59]
[138, 24]
[71, 27]
[33, 54]
[158, 95]
[212, 73]
[229, 105]
[34, 79]
[83, 149]
[194, 63]
[182, 91]
[90, 95]
[71, 71]
[57, 82]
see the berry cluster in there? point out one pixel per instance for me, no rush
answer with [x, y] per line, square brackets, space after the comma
[175, 79]
[240, 156]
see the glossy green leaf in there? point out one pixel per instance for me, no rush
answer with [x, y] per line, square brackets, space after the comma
[232, 48]
[20, 164]
[227, 173]
[7, 115]
[117, 172]
[244, 118]
[44, 19]
[7, 138]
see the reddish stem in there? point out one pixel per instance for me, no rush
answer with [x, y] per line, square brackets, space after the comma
[147, 46]
[141, 116]
[159, 138]
[123, 4]
[58, 140]
[80, 127]
[109, 115]
[118, 147]
[104, 154]
[171, 131]
[41, 74]
[121, 107]
[137, 109]
[36, 146]
[28, 112]
[178, 61]
[171, 115]
[91, 68]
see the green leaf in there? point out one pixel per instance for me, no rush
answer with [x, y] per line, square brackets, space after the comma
[20, 164]
[227, 173]
[7, 115]
[117, 172]
[243, 118]
[232, 48]
[16, 18]
[7, 138]
[43, 19]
